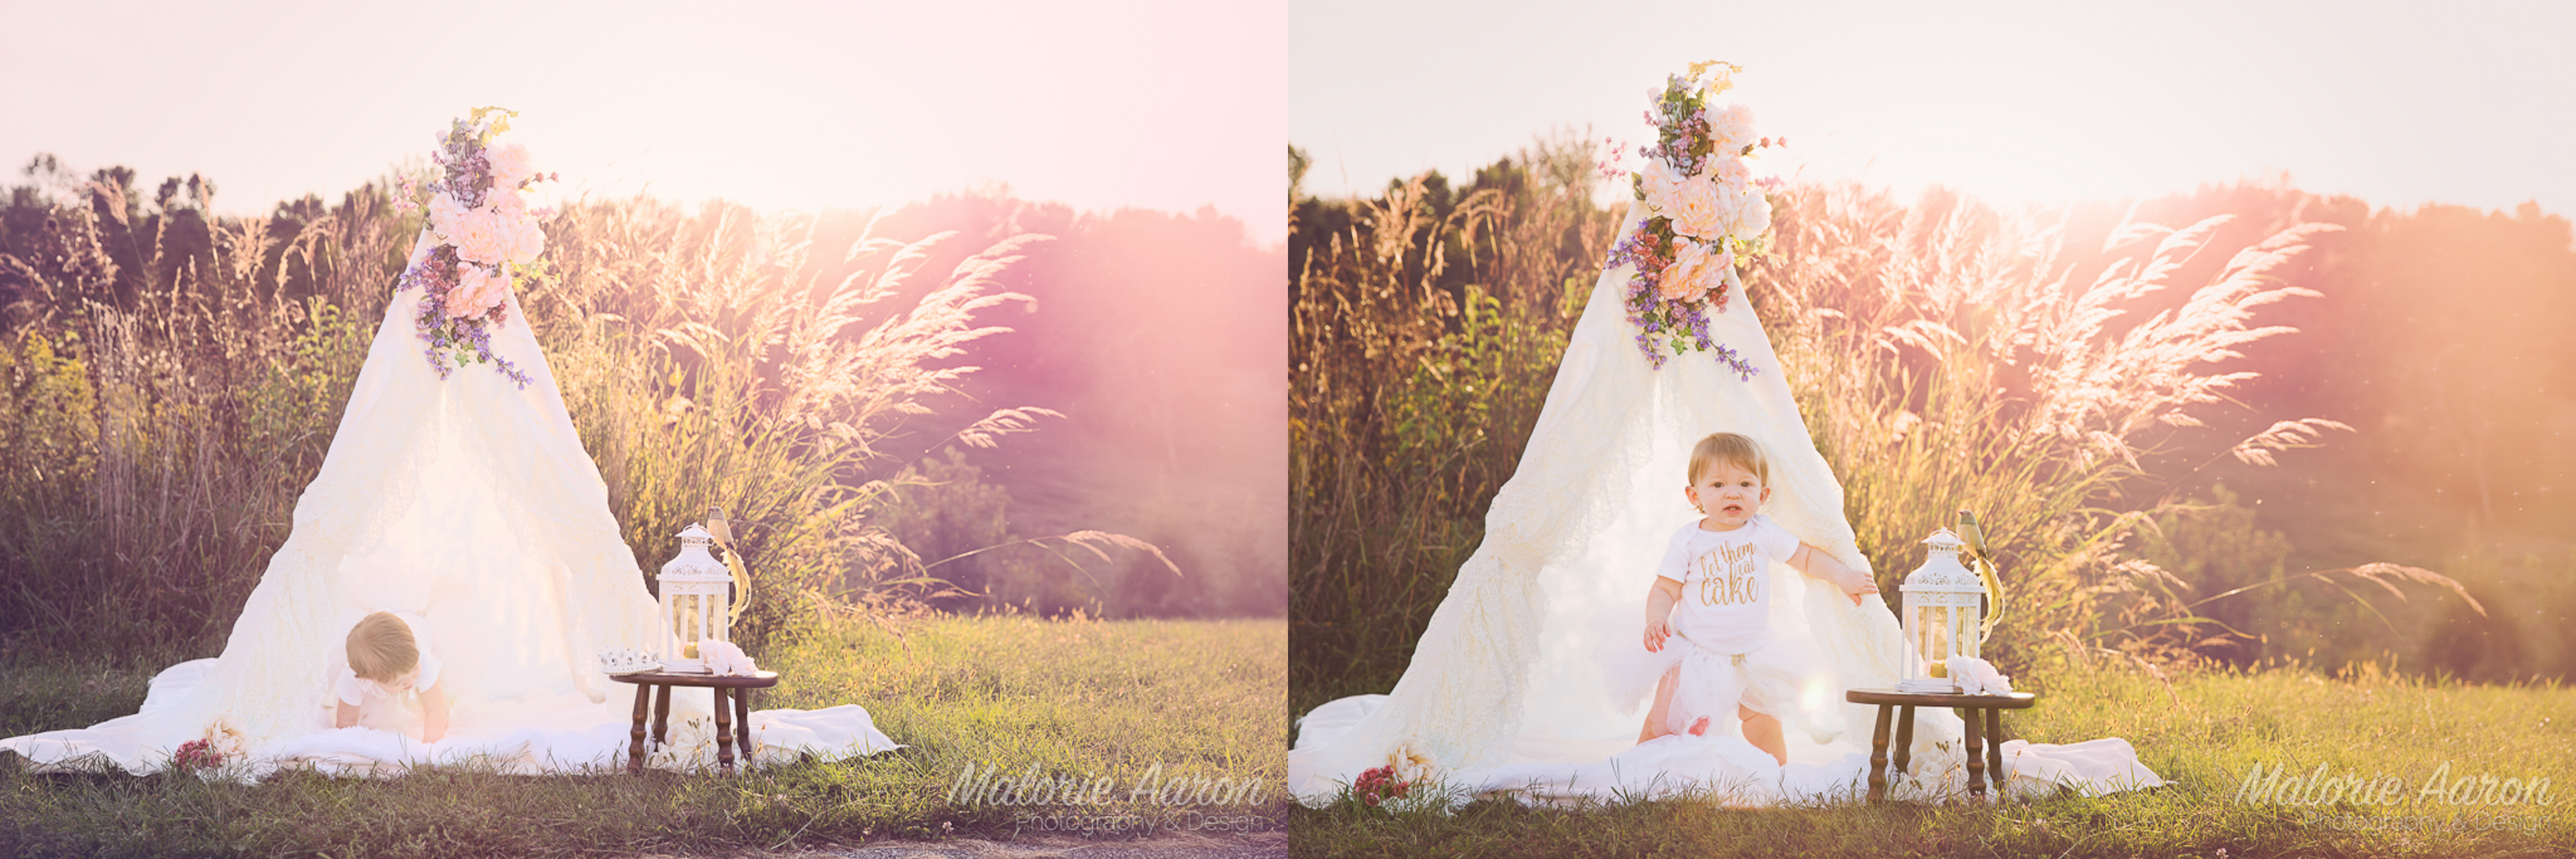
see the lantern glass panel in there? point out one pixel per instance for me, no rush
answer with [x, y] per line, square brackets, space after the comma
[1922, 630]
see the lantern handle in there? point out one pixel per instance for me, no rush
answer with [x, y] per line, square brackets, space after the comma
[1985, 560]
[723, 532]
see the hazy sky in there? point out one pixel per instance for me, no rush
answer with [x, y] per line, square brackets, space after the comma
[2399, 103]
[1171, 105]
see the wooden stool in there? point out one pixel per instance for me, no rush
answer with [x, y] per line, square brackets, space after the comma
[1984, 761]
[731, 727]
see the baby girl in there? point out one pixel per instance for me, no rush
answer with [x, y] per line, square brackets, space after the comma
[390, 676]
[1713, 592]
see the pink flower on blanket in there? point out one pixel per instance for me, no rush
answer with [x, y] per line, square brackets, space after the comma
[194, 755]
[1379, 785]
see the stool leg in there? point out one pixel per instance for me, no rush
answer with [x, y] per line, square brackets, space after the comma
[1878, 757]
[661, 714]
[635, 744]
[742, 725]
[1976, 755]
[724, 731]
[1995, 750]
[1905, 738]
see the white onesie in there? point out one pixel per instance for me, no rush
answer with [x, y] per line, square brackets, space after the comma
[1722, 630]
[1726, 588]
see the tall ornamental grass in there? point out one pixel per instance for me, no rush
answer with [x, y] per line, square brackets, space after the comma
[1423, 328]
[1946, 356]
[726, 358]
[170, 380]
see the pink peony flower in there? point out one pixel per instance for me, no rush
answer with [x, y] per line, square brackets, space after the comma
[1750, 216]
[511, 166]
[479, 237]
[1731, 174]
[446, 216]
[527, 241]
[477, 291]
[1730, 128]
[505, 203]
[1693, 272]
[1699, 208]
[521, 239]
[1661, 181]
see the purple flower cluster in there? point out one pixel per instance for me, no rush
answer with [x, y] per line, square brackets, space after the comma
[1649, 248]
[1683, 324]
[469, 173]
[451, 337]
[1681, 123]
[462, 340]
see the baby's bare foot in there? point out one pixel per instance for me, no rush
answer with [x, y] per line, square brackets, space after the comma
[1699, 728]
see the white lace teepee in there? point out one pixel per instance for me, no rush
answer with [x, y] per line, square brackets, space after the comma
[470, 502]
[1504, 688]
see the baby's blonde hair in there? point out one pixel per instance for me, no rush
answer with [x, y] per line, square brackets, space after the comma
[1732, 448]
[381, 647]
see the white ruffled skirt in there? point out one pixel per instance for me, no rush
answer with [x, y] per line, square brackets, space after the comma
[1778, 679]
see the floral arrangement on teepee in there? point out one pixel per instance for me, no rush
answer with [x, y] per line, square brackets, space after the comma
[485, 231]
[1705, 216]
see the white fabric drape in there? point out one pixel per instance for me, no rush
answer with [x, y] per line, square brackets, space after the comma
[1504, 688]
[470, 502]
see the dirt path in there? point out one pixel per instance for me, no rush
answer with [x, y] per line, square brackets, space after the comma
[1177, 846]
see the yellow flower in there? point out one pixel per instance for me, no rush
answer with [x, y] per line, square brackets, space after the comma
[1720, 76]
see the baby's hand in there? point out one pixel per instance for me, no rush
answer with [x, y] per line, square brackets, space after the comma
[1860, 584]
[1656, 632]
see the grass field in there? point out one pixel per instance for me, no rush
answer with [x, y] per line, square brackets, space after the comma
[1085, 699]
[2203, 734]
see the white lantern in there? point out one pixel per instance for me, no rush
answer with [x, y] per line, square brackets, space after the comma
[1941, 616]
[696, 603]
